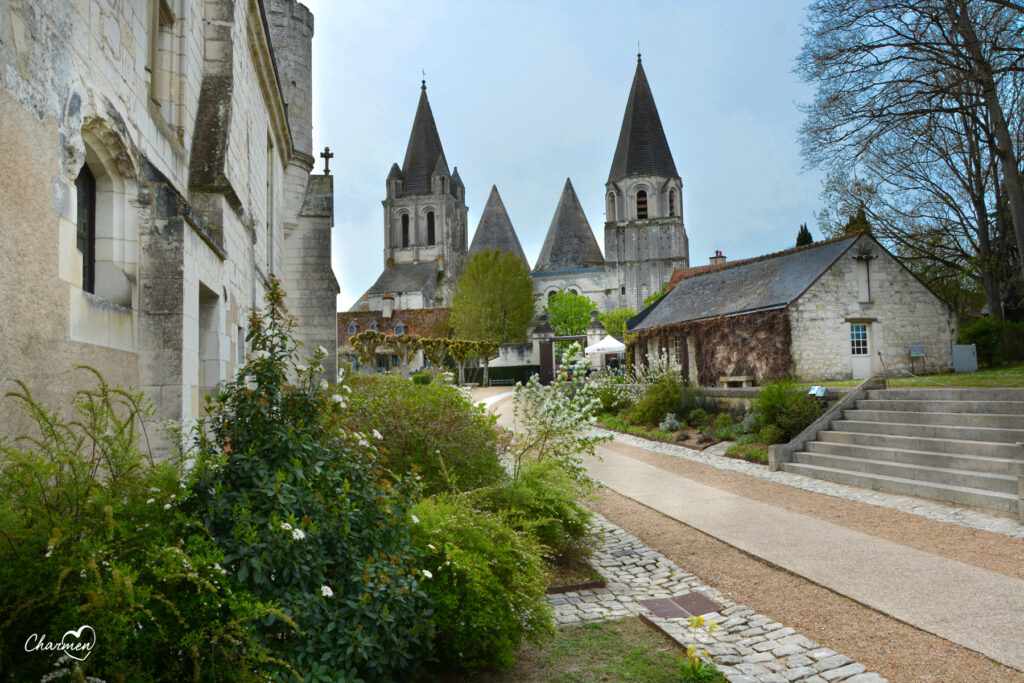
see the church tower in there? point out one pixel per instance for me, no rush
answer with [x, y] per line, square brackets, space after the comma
[644, 237]
[425, 241]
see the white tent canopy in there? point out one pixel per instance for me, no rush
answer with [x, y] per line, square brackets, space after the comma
[607, 345]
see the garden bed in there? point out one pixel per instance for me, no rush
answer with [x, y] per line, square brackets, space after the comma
[697, 443]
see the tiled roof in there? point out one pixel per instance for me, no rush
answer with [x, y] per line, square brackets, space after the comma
[765, 282]
[642, 148]
[570, 242]
[406, 277]
[495, 229]
[424, 153]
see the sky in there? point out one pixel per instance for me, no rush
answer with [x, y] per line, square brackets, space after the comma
[526, 93]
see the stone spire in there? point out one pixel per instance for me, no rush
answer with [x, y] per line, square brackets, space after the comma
[495, 230]
[570, 242]
[424, 155]
[642, 148]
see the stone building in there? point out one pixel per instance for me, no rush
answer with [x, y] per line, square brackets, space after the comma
[645, 240]
[425, 322]
[839, 309]
[155, 171]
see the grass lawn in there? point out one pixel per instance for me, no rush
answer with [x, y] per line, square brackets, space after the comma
[1011, 375]
[622, 650]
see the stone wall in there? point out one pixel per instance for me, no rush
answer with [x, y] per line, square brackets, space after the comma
[899, 311]
[590, 282]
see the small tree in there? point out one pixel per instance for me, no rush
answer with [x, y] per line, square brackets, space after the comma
[494, 298]
[435, 350]
[461, 351]
[569, 313]
[365, 344]
[487, 349]
[857, 223]
[656, 296]
[406, 346]
[615, 321]
[804, 236]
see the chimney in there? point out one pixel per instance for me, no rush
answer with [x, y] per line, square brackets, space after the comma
[387, 303]
[717, 258]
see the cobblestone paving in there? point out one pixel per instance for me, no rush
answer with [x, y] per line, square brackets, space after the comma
[747, 647]
[714, 456]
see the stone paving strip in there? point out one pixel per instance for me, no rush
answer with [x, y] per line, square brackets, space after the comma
[715, 457]
[747, 647]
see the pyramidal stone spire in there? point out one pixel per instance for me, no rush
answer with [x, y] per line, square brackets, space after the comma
[642, 148]
[570, 242]
[495, 230]
[424, 155]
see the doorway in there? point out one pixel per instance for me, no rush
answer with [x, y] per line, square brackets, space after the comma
[860, 350]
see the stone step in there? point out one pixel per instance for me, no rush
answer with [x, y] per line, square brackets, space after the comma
[973, 463]
[988, 481]
[937, 406]
[926, 431]
[916, 443]
[954, 419]
[957, 495]
[949, 394]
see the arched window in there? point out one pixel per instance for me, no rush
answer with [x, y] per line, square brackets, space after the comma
[671, 202]
[444, 185]
[610, 209]
[552, 293]
[405, 230]
[85, 185]
[352, 328]
[430, 227]
[399, 328]
[641, 204]
[373, 326]
[573, 291]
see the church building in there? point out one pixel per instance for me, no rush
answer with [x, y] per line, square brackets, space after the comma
[425, 246]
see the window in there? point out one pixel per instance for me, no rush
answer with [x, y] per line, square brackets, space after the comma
[163, 54]
[623, 291]
[352, 328]
[859, 339]
[399, 328]
[671, 202]
[610, 209]
[444, 185]
[373, 326]
[405, 230]
[85, 185]
[573, 291]
[552, 293]
[641, 204]
[430, 227]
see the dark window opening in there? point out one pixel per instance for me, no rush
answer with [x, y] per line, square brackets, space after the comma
[85, 185]
[641, 204]
[430, 227]
[405, 230]
[671, 202]
[623, 291]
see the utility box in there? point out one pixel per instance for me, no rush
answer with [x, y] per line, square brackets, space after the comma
[965, 358]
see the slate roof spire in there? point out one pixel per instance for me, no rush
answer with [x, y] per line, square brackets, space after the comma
[424, 154]
[495, 229]
[642, 148]
[570, 242]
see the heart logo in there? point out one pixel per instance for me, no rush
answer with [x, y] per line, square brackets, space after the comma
[77, 644]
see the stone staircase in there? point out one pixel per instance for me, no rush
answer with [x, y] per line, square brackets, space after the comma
[953, 445]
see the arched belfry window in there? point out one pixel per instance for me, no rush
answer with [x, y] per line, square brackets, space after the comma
[641, 204]
[405, 230]
[671, 202]
[610, 210]
[430, 227]
[85, 185]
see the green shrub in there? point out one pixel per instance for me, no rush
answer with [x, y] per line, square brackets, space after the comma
[421, 378]
[543, 501]
[614, 422]
[771, 434]
[307, 518]
[670, 424]
[660, 434]
[486, 580]
[611, 390]
[996, 341]
[434, 430]
[726, 433]
[661, 398]
[95, 533]
[784, 404]
[692, 398]
[722, 421]
[754, 452]
[750, 423]
[698, 417]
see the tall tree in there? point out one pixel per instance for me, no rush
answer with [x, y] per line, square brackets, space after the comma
[615, 321]
[494, 298]
[568, 313]
[803, 237]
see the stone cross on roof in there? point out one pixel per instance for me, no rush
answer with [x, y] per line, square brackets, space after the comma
[327, 155]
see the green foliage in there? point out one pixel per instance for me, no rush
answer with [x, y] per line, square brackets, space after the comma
[486, 580]
[405, 345]
[786, 405]
[421, 378]
[544, 501]
[692, 398]
[569, 313]
[94, 532]
[365, 344]
[661, 398]
[671, 423]
[698, 417]
[694, 669]
[996, 341]
[722, 421]
[493, 299]
[749, 450]
[611, 390]
[771, 434]
[435, 349]
[656, 296]
[461, 351]
[615, 321]
[857, 223]
[433, 430]
[803, 237]
[307, 517]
